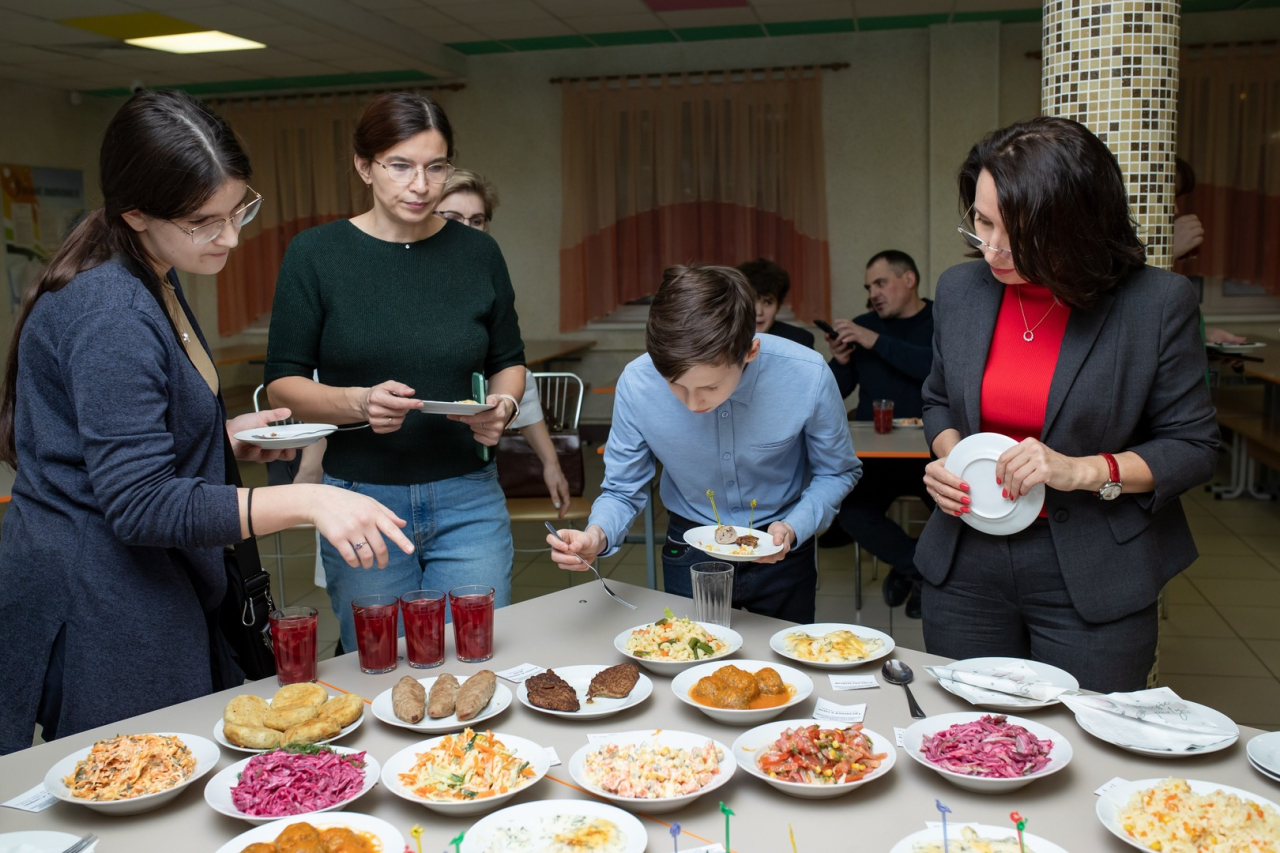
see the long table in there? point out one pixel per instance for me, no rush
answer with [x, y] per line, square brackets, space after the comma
[577, 626]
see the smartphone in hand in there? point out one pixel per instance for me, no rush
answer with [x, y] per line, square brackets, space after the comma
[826, 327]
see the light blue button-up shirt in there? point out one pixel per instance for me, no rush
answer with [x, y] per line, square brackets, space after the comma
[782, 439]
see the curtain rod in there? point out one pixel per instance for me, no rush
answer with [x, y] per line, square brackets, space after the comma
[830, 66]
[363, 89]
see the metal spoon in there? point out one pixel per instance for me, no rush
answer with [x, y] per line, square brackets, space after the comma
[612, 594]
[897, 672]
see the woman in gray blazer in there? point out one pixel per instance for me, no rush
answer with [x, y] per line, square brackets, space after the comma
[1064, 339]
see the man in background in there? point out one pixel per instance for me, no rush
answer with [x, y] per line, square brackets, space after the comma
[772, 284]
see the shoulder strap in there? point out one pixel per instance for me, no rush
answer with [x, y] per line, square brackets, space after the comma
[247, 557]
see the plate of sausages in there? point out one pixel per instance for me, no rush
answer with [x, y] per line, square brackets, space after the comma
[443, 703]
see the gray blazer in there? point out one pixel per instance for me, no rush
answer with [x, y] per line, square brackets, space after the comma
[1130, 376]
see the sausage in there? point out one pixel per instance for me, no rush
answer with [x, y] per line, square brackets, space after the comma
[409, 699]
[475, 693]
[444, 694]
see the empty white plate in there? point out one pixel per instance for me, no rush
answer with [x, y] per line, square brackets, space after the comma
[286, 436]
[974, 461]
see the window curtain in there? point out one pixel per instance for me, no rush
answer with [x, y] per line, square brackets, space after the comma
[1229, 131]
[686, 168]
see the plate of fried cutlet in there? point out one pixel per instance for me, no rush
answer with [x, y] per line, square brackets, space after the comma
[591, 690]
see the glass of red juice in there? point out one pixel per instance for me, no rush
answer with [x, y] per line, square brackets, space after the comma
[423, 611]
[472, 609]
[882, 411]
[376, 634]
[293, 638]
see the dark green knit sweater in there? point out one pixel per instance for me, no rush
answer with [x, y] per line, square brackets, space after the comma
[427, 314]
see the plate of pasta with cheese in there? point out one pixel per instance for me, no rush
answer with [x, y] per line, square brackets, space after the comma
[831, 645]
[129, 774]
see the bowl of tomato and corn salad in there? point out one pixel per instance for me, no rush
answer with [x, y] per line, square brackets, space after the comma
[814, 759]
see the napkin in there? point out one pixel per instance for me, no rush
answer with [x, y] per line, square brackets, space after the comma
[1151, 719]
[1012, 683]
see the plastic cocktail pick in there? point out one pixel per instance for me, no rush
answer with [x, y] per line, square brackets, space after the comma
[675, 837]
[416, 832]
[944, 811]
[791, 831]
[1021, 823]
[751, 519]
[727, 813]
[457, 843]
[712, 496]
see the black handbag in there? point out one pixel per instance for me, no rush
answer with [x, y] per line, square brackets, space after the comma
[520, 469]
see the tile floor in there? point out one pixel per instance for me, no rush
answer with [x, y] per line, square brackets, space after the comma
[1220, 644]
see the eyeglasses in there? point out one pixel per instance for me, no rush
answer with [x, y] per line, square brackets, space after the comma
[207, 233]
[405, 173]
[478, 221]
[977, 242]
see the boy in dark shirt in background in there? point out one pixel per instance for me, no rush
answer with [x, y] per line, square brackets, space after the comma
[772, 284]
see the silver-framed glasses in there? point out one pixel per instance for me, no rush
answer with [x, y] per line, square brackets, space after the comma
[406, 173]
[207, 233]
[977, 242]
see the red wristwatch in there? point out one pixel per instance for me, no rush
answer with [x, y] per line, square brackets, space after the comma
[1111, 489]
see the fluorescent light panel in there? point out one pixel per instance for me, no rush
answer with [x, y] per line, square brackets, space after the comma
[209, 41]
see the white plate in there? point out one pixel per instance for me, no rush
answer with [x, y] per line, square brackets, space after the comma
[222, 738]
[205, 752]
[750, 745]
[913, 738]
[390, 838]
[974, 460]
[1045, 672]
[677, 740]
[684, 682]
[440, 407]
[704, 539]
[483, 833]
[579, 678]
[670, 668]
[218, 792]
[286, 436]
[908, 423]
[817, 629]
[1216, 717]
[403, 761]
[39, 841]
[934, 834]
[1247, 345]
[1264, 751]
[1113, 802]
[1264, 771]
[385, 711]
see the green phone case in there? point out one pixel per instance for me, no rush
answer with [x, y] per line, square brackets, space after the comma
[480, 393]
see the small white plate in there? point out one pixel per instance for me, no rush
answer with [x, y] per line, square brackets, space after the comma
[1216, 717]
[1046, 673]
[388, 836]
[1113, 802]
[671, 668]
[286, 436]
[817, 629]
[483, 835]
[934, 834]
[1247, 345]
[439, 407]
[974, 460]
[579, 678]
[704, 539]
[1264, 771]
[684, 682]
[403, 761]
[913, 739]
[206, 755]
[385, 711]
[218, 792]
[39, 841]
[750, 745]
[222, 738]
[1264, 752]
[662, 737]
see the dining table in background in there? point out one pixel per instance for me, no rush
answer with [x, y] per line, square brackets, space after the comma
[540, 355]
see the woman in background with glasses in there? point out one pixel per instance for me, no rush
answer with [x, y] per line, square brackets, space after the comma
[111, 559]
[393, 307]
[1062, 338]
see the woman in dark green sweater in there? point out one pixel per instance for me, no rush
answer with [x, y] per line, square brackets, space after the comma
[393, 307]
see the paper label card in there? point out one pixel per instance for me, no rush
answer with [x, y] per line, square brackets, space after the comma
[551, 753]
[828, 710]
[518, 674]
[35, 800]
[1109, 786]
[898, 733]
[853, 682]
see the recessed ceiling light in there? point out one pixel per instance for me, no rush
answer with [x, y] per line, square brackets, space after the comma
[209, 41]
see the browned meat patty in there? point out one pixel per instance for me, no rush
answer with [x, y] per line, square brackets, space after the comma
[550, 691]
[613, 683]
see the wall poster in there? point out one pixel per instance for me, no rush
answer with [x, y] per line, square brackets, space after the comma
[40, 206]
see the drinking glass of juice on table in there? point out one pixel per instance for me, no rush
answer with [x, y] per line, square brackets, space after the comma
[423, 611]
[376, 618]
[472, 609]
[293, 639]
[882, 411]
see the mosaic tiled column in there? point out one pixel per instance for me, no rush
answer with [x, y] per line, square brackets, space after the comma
[1113, 67]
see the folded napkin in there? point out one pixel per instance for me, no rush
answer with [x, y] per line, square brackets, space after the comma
[1151, 719]
[1012, 683]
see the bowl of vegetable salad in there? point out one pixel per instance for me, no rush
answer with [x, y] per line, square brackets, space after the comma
[467, 772]
[673, 643]
[814, 759]
[652, 772]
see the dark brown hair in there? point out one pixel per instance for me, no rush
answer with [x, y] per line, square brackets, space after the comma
[766, 279]
[900, 262]
[1064, 205]
[391, 118]
[467, 181]
[164, 154]
[700, 315]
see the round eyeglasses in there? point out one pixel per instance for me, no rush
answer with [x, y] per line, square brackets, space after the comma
[479, 221]
[977, 242]
[207, 233]
[405, 173]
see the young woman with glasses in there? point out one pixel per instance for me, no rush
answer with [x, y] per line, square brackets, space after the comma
[393, 307]
[1062, 338]
[111, 559]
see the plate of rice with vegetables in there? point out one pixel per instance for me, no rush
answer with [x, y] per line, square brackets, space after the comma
[674, 643]
[1189, 816]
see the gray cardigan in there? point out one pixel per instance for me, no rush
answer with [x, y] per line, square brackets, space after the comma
[119, 511]
[1130, 376]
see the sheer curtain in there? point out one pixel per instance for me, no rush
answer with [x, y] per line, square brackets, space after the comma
[1229, 131]
[685, 168]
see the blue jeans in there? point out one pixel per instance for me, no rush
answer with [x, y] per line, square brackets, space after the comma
[461, 534]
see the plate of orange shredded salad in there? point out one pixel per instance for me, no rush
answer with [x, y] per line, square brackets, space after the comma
[465, 773]
[128, 774]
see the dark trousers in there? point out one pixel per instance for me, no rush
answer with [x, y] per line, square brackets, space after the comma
[862, 514]
[785, 590]
[1005, 596]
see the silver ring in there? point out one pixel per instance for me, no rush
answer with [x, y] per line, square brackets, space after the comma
[357, 546]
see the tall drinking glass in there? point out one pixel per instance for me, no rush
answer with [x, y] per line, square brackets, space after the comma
[882, 412]
[376, 617]
[712, 592]
[472, 608]
[293, 638]
[423, 611]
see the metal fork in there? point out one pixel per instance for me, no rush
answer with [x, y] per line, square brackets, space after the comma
[612, 594]
[82, 844]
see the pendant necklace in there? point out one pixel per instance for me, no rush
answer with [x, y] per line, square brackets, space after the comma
[1029, 334]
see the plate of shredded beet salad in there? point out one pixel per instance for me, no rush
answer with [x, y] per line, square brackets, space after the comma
[989, 753]
[292, 781]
